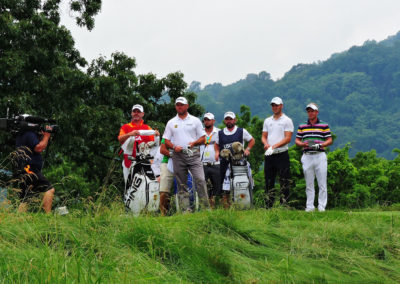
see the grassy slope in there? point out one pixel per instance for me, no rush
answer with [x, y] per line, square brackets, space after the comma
[254, 246]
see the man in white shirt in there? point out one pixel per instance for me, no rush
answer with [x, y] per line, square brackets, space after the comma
[184, 133]
[226, 137]
[276, 135]
[207, 154]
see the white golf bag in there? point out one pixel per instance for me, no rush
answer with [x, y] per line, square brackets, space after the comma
[241, 187]
[142, 189]
[238, 177]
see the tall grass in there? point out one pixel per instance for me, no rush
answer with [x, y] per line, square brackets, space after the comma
[256, 246]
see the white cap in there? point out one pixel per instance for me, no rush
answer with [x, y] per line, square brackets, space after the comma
[277, 101]
[229, 114]
[139, 107]
[312, 106]
[181, 100]
[209, 115]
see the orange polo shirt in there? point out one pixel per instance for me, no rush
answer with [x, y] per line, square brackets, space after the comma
[126, 128]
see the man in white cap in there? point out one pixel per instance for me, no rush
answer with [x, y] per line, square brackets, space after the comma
[207, 154]
[314, 136]
[226, 137]
[276, 136]
[132, 129]
[184, 133]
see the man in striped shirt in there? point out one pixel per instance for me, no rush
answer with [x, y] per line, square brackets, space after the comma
[314, 136]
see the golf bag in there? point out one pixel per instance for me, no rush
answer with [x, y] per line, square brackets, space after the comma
[242, 190]
[238, 176]
[142, 189]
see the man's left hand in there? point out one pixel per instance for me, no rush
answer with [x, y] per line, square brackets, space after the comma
[315, 147]
[269, 151]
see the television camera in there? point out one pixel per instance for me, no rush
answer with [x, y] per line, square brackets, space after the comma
[26, 122]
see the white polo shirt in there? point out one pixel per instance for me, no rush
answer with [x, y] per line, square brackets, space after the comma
[246, 135]
[207, 151]
[183, 131]
[276, 129]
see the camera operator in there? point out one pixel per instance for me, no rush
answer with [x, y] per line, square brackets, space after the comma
[30, 145]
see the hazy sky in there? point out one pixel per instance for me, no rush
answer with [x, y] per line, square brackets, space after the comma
[224, 40]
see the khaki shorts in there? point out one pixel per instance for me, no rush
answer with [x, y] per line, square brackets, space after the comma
[167, 179]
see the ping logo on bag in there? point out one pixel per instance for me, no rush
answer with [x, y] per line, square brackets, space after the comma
[136, 183]
[131, 192]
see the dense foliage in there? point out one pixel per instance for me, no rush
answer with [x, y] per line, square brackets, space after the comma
[357, 91]
[41, 72]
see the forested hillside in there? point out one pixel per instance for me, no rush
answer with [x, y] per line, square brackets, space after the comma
[358, 92]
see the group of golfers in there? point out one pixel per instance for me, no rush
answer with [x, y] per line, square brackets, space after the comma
[187, 145]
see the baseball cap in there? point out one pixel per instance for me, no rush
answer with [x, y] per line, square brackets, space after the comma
[229, 114]
[139, 107]
[209, 115]
[277, 101]
[312, 106]
[181, 100]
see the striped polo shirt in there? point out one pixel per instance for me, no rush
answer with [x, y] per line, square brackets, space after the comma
[318, 132]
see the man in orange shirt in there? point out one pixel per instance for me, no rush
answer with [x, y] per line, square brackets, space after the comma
[133, 129]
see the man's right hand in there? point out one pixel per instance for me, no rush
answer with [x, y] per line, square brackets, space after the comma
[48, 129]
[266, 146]
[134, 133]
[178, 149]
[304, 144]
[47, 132]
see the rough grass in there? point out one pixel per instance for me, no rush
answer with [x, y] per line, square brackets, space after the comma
[256, 246]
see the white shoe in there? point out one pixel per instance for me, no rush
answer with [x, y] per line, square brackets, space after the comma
[62, 210]
[310, 209]
[321, 209]
[187, 211]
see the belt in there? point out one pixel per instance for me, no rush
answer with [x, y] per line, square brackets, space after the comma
[277, 151]
[210, 163]
[190, 151]
[312, 153]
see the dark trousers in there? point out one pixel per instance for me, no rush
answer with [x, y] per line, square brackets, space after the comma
[212, 172]
[223, 166]
[273, 165]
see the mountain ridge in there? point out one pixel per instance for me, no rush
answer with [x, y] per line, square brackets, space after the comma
[357, 91]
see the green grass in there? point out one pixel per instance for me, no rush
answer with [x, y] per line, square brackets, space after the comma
[256, 246]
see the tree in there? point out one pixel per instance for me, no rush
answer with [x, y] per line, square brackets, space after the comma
[254, 126]
[41, 71]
